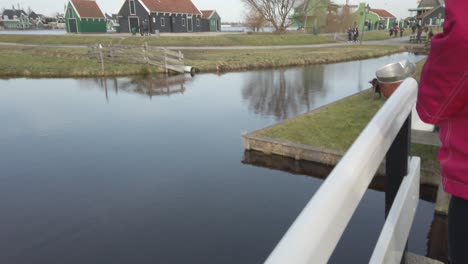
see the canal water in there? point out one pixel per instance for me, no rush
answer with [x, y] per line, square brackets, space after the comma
[150, 170]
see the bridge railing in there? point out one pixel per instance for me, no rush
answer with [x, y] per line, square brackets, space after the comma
[315, 233]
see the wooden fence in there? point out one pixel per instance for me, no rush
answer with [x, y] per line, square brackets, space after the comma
[167, 60]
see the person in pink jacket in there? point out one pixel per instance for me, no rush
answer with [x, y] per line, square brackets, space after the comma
[443, 100]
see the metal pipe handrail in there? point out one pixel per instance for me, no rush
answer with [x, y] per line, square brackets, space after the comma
[315, 233]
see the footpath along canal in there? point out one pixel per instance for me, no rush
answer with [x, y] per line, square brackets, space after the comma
[149, 170]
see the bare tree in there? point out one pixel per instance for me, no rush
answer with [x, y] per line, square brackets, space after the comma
[254, 20]
[276, 12]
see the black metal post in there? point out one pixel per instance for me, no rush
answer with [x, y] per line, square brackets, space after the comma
[396, 166]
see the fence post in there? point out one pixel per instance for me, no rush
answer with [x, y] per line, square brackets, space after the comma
[111, 51]
[396, 166]
[146, 53]
[102, 57]
[165, 62]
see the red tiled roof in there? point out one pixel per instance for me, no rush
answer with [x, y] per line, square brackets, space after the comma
[206, 13]
[382, 13]
[87, 8]
[172, 6]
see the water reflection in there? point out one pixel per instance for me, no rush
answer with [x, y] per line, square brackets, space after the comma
[282, 93]
[437, 244]
[149, 86]
[81, 178]
[288, 92]
[317, 170]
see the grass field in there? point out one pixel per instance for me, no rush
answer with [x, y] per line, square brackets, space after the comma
[226, 60]
[191, 41]
[20, 61]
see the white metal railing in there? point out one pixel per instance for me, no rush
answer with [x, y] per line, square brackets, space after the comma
[392, 241]
[315, 233]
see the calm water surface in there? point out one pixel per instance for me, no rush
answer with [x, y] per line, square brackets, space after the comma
[149, 170]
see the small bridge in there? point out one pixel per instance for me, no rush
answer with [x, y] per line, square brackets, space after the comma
[313, 236]
[167, 60]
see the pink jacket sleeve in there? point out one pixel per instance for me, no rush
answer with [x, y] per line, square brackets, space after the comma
[443, 90]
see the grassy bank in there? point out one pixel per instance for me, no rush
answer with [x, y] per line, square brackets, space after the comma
[68, 62]
[57, 62]
[191, 41]
[337, 125]
[225, 60]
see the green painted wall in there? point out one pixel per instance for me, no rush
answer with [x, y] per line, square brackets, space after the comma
[85, 25]
[362, 16]
[215, 22]
[315, 15]
[93, 25]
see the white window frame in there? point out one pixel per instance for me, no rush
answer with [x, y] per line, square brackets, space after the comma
[162, 21]
[130, 7]
[198, 22]
[154, 19]
[183, 22]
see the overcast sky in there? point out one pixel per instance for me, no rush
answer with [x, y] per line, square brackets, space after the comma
[230, 10]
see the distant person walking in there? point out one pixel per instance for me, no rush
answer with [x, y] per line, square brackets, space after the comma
[390, 32]
[395, 30]
[141, 28]
[350, 35]
[443, 100]
[356, 34]
[401, 31]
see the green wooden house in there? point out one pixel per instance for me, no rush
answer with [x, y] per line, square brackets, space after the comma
[311, 15]
[211, 21]
[374, 19]
[84, 16]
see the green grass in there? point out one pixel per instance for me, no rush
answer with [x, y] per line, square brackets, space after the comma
[336, 126]
[269, 39]
[382, 35]
[228, 60]
[58, 62]
[20, 61]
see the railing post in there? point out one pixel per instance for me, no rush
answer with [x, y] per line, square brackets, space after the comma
[396, 166]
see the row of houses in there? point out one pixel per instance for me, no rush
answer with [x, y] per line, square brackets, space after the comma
[337, 17]
[85, 16]
[19, 19]
[15, 19]
[427, 13]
